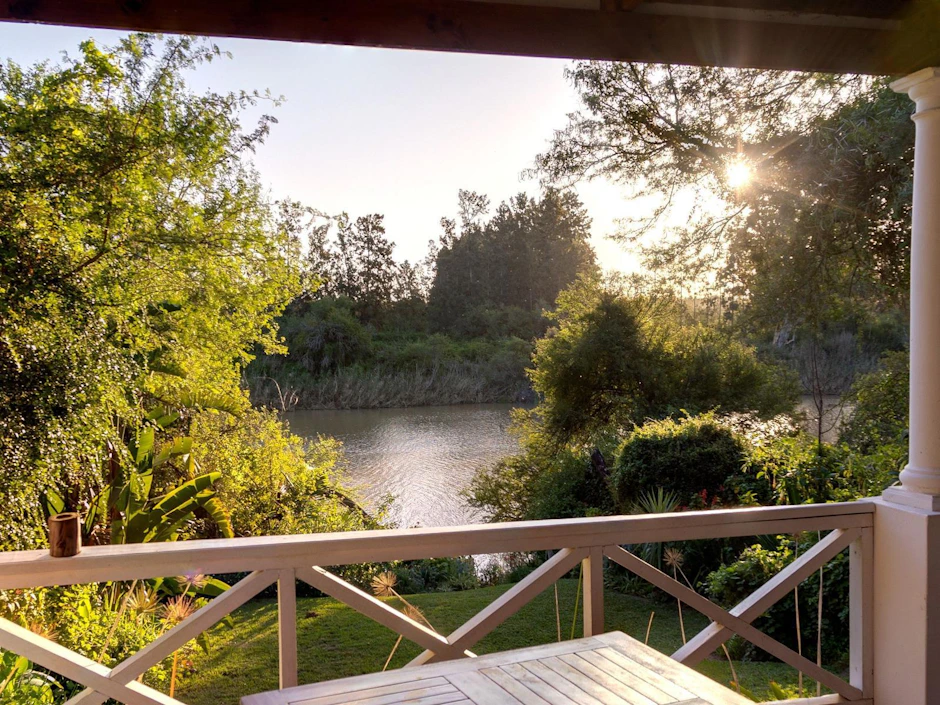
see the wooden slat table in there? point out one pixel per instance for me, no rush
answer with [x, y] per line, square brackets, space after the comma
[612, 669]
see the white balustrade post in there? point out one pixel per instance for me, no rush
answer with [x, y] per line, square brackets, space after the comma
[287, 627]
[906, 590]
[593, 570]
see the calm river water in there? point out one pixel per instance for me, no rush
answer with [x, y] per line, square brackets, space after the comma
[425, 456]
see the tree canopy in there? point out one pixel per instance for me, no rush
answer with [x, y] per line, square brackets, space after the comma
[800, 182]
[520, 258]
[141, 260]
[616, 357]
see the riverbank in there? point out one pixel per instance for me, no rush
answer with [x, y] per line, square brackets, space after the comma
[334, 641]
[355, 388]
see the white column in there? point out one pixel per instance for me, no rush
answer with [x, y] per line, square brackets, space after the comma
[922, 474]
[907, 521]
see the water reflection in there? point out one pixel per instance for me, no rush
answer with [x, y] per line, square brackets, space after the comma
[424, 456]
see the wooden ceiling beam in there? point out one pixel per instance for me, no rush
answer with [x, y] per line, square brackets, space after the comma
[490, 28]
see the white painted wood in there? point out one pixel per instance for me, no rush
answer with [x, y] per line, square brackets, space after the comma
[861, 613]
[922, 474]
[822, 700]
[734, 623]
[594, 591]
[587, 539]
[510, 602]
[907, 608]
[58, 659]
[705, 642]
[378, 611]
[23, 569]
[287, 627]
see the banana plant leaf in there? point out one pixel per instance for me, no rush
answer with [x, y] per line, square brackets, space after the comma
[161, 522]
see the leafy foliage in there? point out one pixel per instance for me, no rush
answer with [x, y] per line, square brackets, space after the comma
[615, 359]
[881, 414]
[758, 563]
[272, 480]
[659, 455]
[154, 262]
[517, 261]
[21, 684]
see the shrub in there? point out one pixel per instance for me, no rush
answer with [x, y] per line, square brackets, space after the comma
[733, 582]
[615, 359]
[545, 481]
[801, 470]
[881, 405]
[697, 458]
[326, 336]
[436, 575]
[272, 481]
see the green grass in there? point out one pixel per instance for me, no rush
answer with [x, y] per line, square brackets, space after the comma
[334, 641]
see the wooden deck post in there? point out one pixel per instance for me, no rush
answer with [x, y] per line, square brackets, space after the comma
[287, 627]
[594, 592]
[861, 612]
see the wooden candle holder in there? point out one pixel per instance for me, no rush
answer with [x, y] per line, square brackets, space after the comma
[65, 535]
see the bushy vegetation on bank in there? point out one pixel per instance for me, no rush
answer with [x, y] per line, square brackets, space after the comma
[457, 327]
[624, 427]
[335, 361]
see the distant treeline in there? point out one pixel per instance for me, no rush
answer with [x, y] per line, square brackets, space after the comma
[456, 327]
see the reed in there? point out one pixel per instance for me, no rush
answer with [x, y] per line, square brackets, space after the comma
[353, 388]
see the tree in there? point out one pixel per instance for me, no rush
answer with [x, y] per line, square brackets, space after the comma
[139, 258]
[614, 359]
[521, 257]
[826, 233]
[806, 177]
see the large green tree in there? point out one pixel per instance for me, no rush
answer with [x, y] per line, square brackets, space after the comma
[616, 357]
[140, 259]
[800, 183]
[521, 257]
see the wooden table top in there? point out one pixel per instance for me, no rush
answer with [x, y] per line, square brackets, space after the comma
[611, 669]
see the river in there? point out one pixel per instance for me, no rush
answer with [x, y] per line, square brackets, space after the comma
[425, 456]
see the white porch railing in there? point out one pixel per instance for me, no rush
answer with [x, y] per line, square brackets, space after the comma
[282, 559]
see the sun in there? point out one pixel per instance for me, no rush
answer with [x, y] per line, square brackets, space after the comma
[739, 173]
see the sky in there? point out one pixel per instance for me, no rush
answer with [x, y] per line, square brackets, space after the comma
[387, 131]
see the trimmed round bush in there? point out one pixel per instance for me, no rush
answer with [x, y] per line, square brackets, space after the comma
[697, 459]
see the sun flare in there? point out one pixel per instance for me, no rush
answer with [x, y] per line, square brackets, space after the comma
[739, 173]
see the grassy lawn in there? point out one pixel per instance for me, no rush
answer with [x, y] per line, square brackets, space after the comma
[334, 641]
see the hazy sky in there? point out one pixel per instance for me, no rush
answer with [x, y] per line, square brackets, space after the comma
[386, 131]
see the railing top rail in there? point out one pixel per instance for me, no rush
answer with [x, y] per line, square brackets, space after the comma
[22, 569]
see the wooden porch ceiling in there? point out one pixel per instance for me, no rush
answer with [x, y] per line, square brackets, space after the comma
[858, 36]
